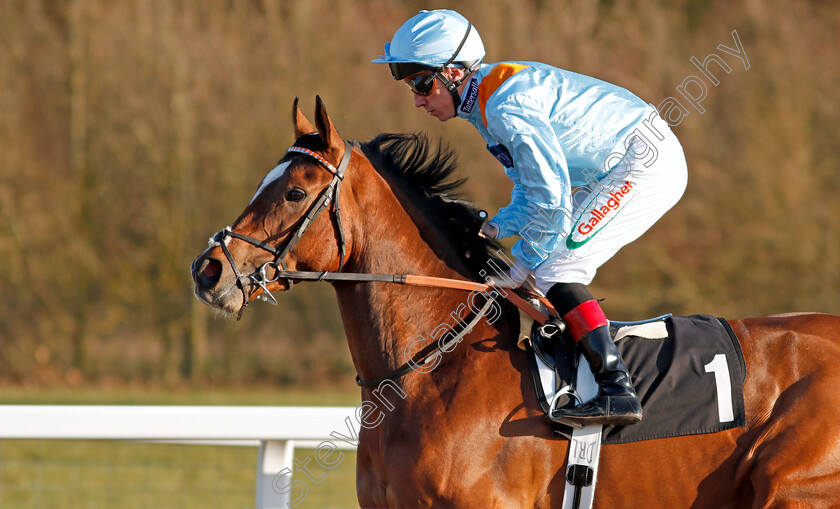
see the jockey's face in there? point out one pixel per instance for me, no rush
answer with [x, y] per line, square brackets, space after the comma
[439, 101]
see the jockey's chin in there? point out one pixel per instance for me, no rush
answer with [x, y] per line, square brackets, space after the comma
[438, 103]
[443, 116]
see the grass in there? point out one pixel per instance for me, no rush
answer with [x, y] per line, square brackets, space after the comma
[267, 396]
[108, 474]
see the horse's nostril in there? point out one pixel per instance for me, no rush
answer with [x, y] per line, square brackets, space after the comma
[210, 274]
[213, 269]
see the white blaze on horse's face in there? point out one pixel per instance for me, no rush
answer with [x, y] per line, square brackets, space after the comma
[273, 175]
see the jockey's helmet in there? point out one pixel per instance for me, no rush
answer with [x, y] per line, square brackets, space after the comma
[430, 41]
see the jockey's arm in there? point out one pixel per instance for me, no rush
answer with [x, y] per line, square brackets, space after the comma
[540, 209]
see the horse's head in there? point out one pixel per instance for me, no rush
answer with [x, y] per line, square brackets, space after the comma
[292, 223]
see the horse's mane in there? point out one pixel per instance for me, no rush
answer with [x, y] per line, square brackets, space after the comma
[426, 174]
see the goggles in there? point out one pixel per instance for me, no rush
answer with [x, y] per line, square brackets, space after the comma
[422, 84]
[402, 70]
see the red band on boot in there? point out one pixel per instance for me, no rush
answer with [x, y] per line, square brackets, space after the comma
[584, 318]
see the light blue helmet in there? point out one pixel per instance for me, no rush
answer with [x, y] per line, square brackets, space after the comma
[433, 39]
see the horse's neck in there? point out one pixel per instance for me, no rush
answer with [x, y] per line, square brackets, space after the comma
[381, 319]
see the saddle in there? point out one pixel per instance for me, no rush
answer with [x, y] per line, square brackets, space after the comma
[688, 372]
[555, 360]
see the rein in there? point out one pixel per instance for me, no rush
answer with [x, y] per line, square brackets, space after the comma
[428, 281]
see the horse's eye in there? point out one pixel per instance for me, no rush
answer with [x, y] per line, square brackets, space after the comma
[295, 194]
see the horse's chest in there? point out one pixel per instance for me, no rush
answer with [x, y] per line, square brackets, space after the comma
[401, 469]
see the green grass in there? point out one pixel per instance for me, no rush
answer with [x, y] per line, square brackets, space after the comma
[108, 474]
[349, 396]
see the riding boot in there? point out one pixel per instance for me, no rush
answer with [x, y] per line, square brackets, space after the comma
[616, 403]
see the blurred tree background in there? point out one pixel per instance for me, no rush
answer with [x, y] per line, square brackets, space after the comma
[131, 131]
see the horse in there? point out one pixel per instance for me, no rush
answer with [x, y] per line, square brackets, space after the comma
[470, 432]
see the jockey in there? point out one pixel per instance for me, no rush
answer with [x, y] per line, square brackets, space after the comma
[593, 167]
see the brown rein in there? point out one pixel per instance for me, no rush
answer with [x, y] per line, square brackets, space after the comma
[415, 280]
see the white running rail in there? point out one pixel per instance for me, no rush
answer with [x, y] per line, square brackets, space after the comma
[275, 429]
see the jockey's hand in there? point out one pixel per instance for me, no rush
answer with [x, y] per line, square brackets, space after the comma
[503, 281]
[514, 279]
[489, 230]
[519, 273]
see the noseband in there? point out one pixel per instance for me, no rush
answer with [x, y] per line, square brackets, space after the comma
[259, 277]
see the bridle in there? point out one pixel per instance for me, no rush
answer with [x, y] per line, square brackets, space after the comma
[259, 277]
[331, 193]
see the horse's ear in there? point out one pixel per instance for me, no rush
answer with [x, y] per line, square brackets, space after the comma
[329, 134]
[302, 125]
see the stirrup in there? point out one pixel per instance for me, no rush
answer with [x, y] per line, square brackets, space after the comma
[603, 412]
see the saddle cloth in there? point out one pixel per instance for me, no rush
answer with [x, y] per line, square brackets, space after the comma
[689, 373]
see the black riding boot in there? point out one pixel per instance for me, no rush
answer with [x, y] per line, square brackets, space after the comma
[616, 403]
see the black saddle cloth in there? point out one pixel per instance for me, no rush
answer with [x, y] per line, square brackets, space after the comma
[689, 383]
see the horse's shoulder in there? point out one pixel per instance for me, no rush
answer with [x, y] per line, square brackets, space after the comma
[797, 322]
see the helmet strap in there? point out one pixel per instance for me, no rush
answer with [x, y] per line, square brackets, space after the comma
[453, 87]
[456, 99]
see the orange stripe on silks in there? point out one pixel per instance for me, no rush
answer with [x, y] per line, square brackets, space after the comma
[493, 81]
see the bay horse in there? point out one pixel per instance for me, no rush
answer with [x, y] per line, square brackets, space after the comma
[471, 433]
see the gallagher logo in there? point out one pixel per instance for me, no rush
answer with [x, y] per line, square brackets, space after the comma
[595, 220]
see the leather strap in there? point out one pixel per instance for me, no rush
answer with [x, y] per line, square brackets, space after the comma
[436, 282]
[427, 357]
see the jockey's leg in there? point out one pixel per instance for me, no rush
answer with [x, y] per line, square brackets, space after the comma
[610, 214]
[616, 402]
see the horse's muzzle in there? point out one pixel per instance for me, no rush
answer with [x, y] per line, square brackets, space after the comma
[211, 285]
